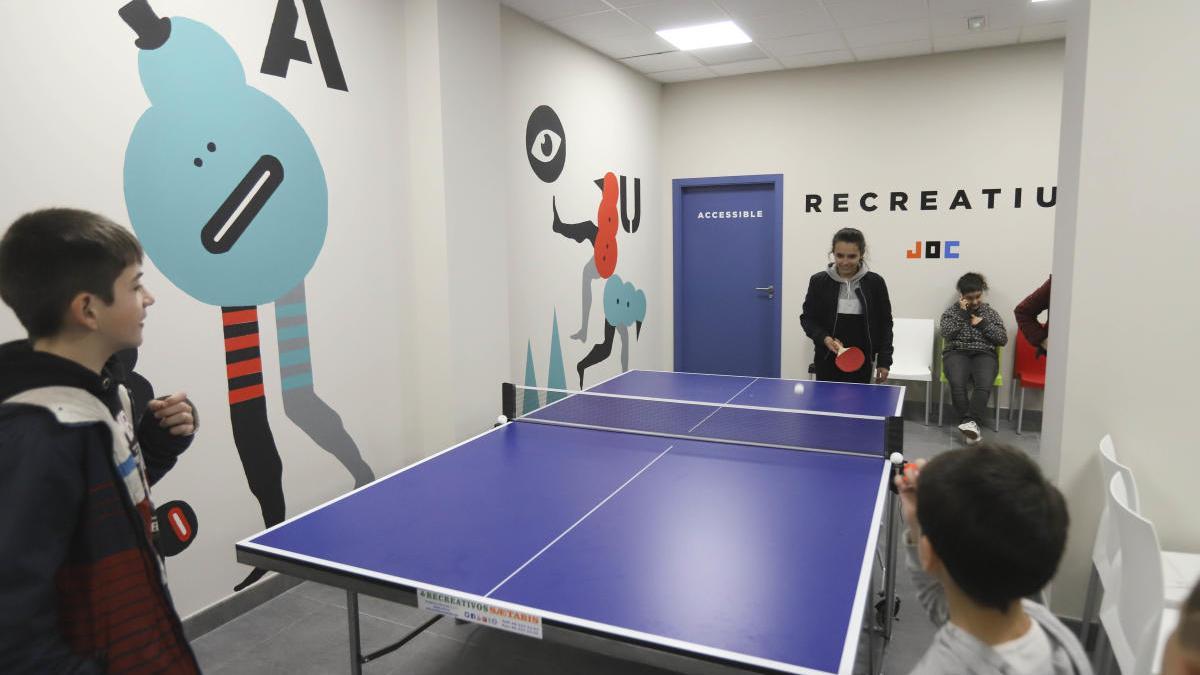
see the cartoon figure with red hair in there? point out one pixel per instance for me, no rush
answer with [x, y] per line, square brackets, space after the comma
[602, 234]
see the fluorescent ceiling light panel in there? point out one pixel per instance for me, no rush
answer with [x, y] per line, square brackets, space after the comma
[709, 35]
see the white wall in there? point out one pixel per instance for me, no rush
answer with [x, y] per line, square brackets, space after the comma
[970, 120]
[610, 117]
[72, 95]
[473, 127]
[1123, 274]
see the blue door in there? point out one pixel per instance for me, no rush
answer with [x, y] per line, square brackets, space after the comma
[728, 274]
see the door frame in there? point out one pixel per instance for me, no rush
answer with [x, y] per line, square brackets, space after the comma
[678, 185]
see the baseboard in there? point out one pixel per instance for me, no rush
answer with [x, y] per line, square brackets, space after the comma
[914, 411]
[223, 611]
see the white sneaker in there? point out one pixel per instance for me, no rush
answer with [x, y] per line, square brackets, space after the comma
[970, 432]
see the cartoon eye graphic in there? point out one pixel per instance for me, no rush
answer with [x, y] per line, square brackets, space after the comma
[545, 143]
[545, 146]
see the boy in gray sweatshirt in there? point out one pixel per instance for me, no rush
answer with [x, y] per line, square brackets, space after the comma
[986, 531]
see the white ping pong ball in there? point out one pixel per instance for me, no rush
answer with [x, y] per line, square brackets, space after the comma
[799, 388]
[896, 458]
[502, 420]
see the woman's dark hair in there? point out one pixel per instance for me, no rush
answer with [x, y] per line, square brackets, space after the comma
[850, 235]
[972, 282]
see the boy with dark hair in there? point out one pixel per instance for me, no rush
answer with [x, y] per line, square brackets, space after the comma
[985, 531]
[971, 331]
[81, 583]
[1181, 656]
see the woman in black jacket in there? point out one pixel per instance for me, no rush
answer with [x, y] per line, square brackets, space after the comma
[848, 305]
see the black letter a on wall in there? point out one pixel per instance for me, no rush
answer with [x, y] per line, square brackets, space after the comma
[283, 46]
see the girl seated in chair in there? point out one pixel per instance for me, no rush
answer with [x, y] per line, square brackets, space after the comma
[971, 331]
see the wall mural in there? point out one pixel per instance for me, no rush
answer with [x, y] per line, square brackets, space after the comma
[556, 378]
[228, 196]
[624, 304]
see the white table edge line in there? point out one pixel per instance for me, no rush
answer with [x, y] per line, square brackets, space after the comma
[850, 648]
[569, 393]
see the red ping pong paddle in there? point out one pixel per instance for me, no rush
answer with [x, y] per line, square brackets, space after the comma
[850, 359]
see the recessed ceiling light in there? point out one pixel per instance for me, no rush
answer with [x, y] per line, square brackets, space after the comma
[976, 22]
[1037, 0]
[707, 35]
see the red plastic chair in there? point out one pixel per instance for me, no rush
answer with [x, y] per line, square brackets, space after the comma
[1029, 372]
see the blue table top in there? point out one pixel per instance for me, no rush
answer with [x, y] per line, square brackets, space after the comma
[832, 397]
[753, 554]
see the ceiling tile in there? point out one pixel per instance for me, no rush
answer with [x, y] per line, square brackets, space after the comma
[853, 13]
[1044, 31]
[665, 14]
[624, 46]
[683, 75]
[741, 9]
[743, 67]
[817, 59]
[731, 54]
[973, 6]
[806, 44]
[893, 51]
[884, 33]
[601, 24]
[781, 25]
[654, 63]
[548, 10]
[991, 38]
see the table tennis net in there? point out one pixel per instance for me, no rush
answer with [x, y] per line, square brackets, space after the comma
[702, 421]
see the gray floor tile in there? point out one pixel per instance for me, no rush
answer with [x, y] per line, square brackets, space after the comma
[367, 605]
[247, 632]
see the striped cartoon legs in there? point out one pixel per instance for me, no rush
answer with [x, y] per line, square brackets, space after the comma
[248, 415]
[303, 407]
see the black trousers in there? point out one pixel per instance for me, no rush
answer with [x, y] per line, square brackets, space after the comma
[970, 374]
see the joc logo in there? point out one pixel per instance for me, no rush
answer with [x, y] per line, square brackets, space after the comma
[934, 249]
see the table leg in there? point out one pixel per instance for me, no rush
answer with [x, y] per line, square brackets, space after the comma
[872, 630]
[355, 640]
[889, 595]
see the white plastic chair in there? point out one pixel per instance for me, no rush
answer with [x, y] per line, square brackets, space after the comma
[1180, 570]
[1137, 623]
[912, 360]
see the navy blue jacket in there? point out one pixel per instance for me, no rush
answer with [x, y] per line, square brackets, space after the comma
[80, 581]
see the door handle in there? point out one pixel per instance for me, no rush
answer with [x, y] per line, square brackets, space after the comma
[769, 290]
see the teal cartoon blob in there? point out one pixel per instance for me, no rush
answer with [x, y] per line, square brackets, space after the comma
[624, 305]
[227, 195]
[223, 186]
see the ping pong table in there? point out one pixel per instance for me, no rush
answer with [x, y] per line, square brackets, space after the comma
[730, 519]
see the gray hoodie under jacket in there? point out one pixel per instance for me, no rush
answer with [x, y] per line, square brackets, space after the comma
[848, 288]
[956, 652]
